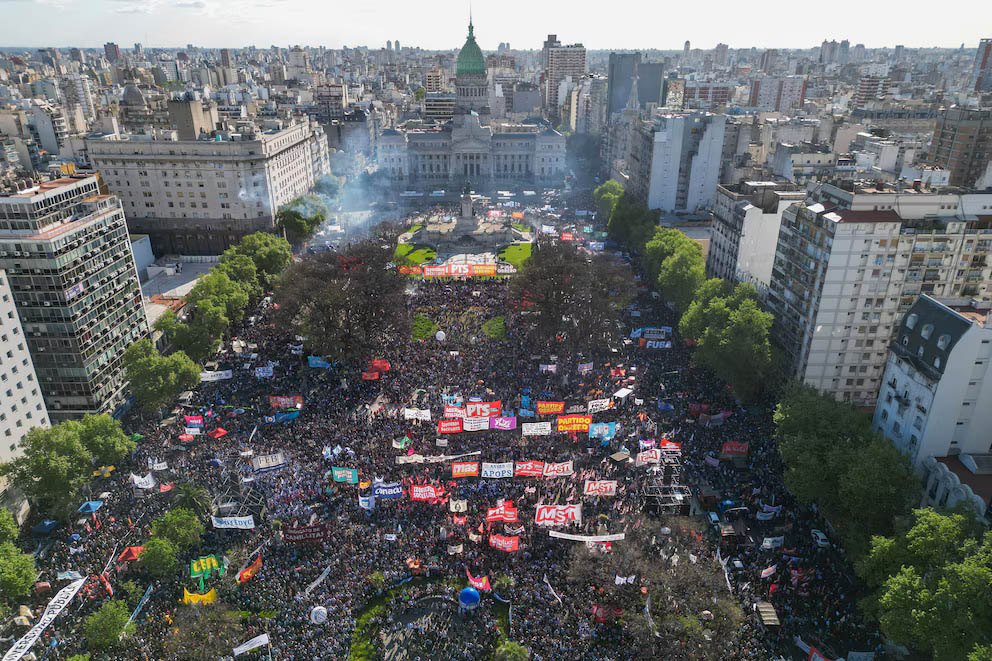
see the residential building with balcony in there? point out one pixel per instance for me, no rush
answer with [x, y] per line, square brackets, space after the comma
[67, 256]
[849, 263]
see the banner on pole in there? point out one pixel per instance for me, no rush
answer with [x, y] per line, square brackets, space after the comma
[503, 543]
[558, 515]
[587, 538]
[548, 408]
[600, 488]
[58, 603]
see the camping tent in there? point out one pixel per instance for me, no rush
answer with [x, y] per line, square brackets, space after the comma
[90, 506]
[45, 527]
[130, 553]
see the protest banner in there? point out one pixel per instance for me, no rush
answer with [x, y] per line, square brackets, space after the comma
[497, 471]
[302, 534]
[502, 543]
[600, 488]
[529, 469]
[58, 603]
[349, 475]
[425, 492]
[480, 583]
[503, 423]
[598, 405]
[193, 421]
[549, 408]
[558, 515]
[587, 538]
[285, 401]
[577, 423]
[505, 512]
[370, 376]
[449, 426]
[269, 462]
[264, 372]
[648, 457]
[234, 522]
[536, 428]
[560, 469]
[390, 490]
[247, 646]
[732, 449]
[222, 375]
[604, 430]
[379, 365]
[585, 368]
[475, 424]
[248, 572]
[317, 362]
[454, 412]
[464, 469]
[483, 409]
[458, 505]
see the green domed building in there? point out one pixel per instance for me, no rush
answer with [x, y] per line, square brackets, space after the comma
[471, 81]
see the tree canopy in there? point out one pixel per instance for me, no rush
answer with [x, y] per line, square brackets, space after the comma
[180, 526]
[157, 380]
[631, 224]
[8, 527]
[606, 196]
[17, 572]
[160, 557]
[103, 628]
[270, 253]
[930, 584]
[103, 437]
[860, 481]
[53, 465]
[562, 295]
[346, 304]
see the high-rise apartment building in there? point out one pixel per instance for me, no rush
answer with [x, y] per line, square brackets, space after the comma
[22, 405]
[563, 61]
[675, 161]
[111, 51]
[198, 197]
[784, 94]
[434, 81]
[962, 143]
[850, 260]
[77, 92]
[68, 260]
[981, 70]
[620, 77]
[870, 87]
[331, 101]
[225, 58]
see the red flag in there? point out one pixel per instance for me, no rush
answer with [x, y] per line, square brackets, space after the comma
[250, 570]
[478, 583]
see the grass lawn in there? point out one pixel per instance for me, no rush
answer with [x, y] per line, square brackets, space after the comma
[414, 228]
[495, 328]
[522, 227]
[413, 254]
[517, 254]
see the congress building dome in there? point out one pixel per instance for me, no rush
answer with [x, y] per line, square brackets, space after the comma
[470, 59]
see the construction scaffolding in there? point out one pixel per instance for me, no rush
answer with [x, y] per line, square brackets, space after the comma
[664, 490]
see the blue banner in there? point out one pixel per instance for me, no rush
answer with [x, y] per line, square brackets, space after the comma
[317, 361]
[390, 490]
[525, 413]
[525, 401]
[286, 417]
[604, 430]
[366, 502]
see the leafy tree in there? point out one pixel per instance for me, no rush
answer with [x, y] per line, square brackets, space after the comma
[104, 438]
[132, 593]
[270, 253]
[192, 497]
[981, 653]
[204, 632]
[79, 657]
[631, 224]
[833, 458]
[217, 289]
[699, 316]
[156, 380]
[160, 557]
[606, 196]
[562, 295]
[298, 227]
[243, 272]
[17, 572]
[328, 186]
[52, 468]
[347, 305]
[664, 243]
[193, 339]
[930, 584]
[681, 275]
[180, 526]
[512, 651]
[420, 94]
[103, 628]
[8, 527]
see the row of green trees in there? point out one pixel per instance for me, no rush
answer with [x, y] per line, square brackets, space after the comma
[221, 297]
[725, 321]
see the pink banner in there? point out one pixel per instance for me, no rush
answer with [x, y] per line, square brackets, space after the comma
[558, 515]
[504, 423]
[478, 583]
[504, 543]
[425, 492]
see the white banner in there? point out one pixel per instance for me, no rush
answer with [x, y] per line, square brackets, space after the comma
[536, 428]
[458, 505]
[497, 470]
[597, 405]
[206, 377]
[648, 457]
[193, 431]
[417, 414]
[160, 466]
[558, 515]
[600, 488]
[236, 522]
[263, 372]
[255, 642]
[146, 482]
[586, 538]
[475, 424]
[561, 469]
[55, 606]
[320, 579]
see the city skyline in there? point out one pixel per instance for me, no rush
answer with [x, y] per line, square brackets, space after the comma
[174, 23]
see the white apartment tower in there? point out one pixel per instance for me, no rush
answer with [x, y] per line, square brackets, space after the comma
[563, 62]
[849, 263]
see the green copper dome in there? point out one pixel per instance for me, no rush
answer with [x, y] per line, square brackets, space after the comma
[470, 59]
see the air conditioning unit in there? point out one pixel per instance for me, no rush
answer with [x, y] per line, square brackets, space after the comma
[3, 253]
[48, 304]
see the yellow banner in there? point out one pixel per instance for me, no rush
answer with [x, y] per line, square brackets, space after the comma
[192, 598]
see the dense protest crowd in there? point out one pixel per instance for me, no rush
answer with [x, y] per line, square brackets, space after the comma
[369, 426]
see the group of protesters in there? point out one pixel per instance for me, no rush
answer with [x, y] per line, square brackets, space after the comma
[358, 419]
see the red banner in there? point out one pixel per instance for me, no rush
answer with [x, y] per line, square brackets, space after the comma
[435, 271]
[370, 376]
[529, 469]
[733, 449]
[574, 422]
[409, 270]
[250, 570]
[464, 469]
[425, 492]
[560, 469]
[567, 236]
[483, 409]
[504, 543]
[314, 533]
[505, 512]
[454, 412]
[286, 402]
[379, 365]
[478, 583]
[600, 488]
[558, 515]
[449, 426]
[545, 408]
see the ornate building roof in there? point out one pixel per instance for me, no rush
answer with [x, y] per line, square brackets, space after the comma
[470, 59]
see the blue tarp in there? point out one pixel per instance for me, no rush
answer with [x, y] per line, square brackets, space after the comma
[90, 506]
[45, 527]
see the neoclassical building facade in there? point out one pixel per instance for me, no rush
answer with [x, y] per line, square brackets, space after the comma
[425, 154]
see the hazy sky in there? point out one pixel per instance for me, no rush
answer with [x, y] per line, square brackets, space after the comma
[525, 24]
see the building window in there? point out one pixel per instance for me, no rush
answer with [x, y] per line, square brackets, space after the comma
[927, 331]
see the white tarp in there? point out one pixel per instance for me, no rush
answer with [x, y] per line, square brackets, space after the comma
[622, 393]
[587, 538]
[257, 641]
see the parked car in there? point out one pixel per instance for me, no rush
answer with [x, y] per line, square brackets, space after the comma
[820, 539]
